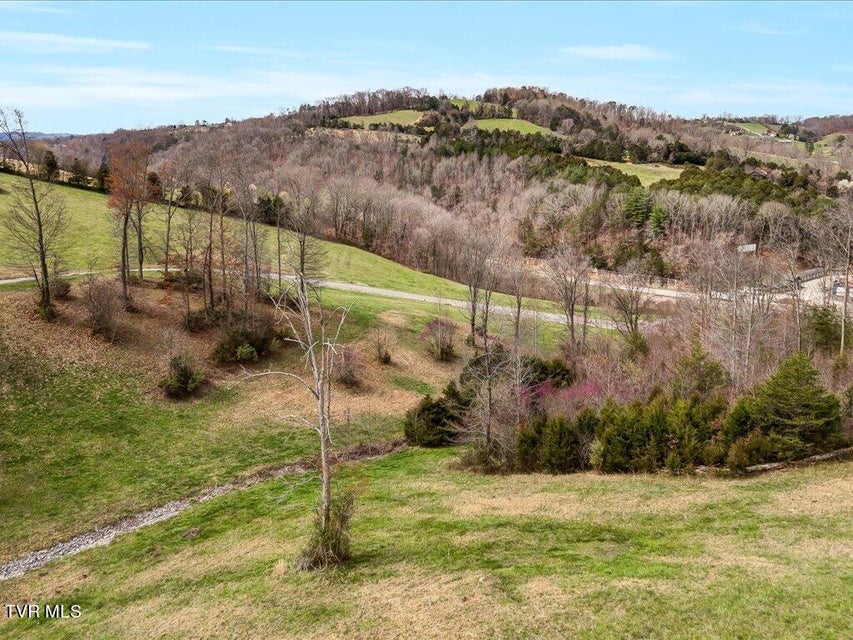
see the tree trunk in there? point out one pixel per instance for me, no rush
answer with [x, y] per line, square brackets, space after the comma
[125, 260]
[140, 251]
[169, 215]
[846, 289]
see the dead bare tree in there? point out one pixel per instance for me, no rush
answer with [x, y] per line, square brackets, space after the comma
[840, 230]
[174, 182]
[629, 299]
[36, 220]
[568, 269]
[315, 329]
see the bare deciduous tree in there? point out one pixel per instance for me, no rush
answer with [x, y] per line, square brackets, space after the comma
[36, 219]
[629, 299]
[568, 269]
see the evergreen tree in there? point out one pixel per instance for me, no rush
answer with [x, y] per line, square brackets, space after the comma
[102, 175]
[637, 206]
[50, 166]
[658, 220]
[793, 403]
[79, 173]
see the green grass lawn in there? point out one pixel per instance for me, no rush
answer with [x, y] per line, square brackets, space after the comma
[403, 117]
[89, 235]
[440, 553]
[647, 173]
[84, 445]
[81, 447]
[514, 124]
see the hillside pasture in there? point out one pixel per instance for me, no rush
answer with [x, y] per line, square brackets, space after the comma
[754, 128]
[514, 124]
[647, 173]
[90, 240]
[404, 117]
[441, 553]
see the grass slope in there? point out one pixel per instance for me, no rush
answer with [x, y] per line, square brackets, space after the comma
[647, 173]
[403, 117]
[514, 124]
[755, 128]
[85, 437]
[440, 554]
[90, 236]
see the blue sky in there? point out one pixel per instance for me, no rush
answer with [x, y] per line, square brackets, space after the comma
[97, 66]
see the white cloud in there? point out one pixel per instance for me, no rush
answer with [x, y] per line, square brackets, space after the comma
[616, 52]
[28, 42]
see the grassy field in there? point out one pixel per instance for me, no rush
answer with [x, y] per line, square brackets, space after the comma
[440, 553]
[514, 124]
[755, 128]
[89, 236]
[647, 173]
[403, 117]
[86, 438]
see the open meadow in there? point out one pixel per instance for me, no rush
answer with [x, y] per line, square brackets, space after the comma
[439, 553]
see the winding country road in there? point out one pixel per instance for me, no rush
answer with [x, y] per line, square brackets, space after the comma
[403, 295]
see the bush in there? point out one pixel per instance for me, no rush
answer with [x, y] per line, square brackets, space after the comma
[564, 448]
[244, 345]
[350, 367]
[330, 545]
[823, 328]
[183, 379]
[737, 459]
[528, 453]
[554, 370]
[793, 403]
[698, 374]
[60, 288]
[246, 353]
[431, 423]
[381, 342]
[556, 444]
[440, 335]
[195, 321]
[103, 305]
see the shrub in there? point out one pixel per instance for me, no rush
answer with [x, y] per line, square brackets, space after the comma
[714, 452]
[563, 451]
[635, 345]
[554, 370]
[330, 545]
[556, 444]
[596, 455]
[737, 459]
[244, 345]
[60, 288]
[183, 379]
[381, 343]
[431, 423]
[103, 305]
[823, 328]
[350, 367]
[698, 374]
[195, 321]
[246, 353]
[440, 334]
[528, 452]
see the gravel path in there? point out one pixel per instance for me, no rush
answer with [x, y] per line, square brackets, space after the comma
[104, 535]
[403, 295]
